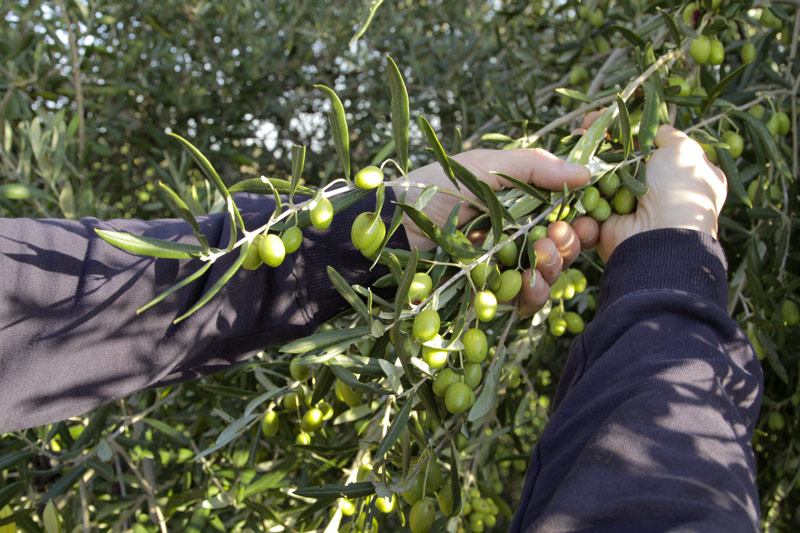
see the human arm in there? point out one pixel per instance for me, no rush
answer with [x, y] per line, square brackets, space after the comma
[71, 339]
[655, 410]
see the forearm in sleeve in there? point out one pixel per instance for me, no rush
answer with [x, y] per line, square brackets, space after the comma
[655, 411]
[70, 339]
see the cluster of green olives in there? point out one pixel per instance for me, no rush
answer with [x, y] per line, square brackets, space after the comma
[477, 513]
[570, 283]
[599, 199]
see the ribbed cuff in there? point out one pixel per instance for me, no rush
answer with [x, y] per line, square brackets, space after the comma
[674, 259]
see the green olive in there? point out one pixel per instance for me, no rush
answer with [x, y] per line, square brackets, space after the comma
[420, 289]
[445, 497]
[790, 313]
[574, 322]
[508, 254]
[700, 49]
[486, 273]
[783, 123]
[485, 305]
[444, 378]
[303, 439]
[538, 232]
[510, 285]
[758, 111]
[312, 420]
[360, 232]
[369, 177]
[624, 201]
[322, 214]
[292, 400]
[292, 239]
[602, 211]
[253, 259]
[717, 53]
[422, 515]
[684, 89]
[475, 345]
[735, 143]
[773, 124]
[386, 505]
[472, 375]
[748, 52]
[270, 423]
[591, 196]
[299, 370]
[349, 395]
[271, 250]
[609, 184]
[426, 325]
[458, 398]
[558, 327]
[434, 357]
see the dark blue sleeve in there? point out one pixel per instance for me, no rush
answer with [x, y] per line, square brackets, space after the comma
[654, 414]
[70, 339]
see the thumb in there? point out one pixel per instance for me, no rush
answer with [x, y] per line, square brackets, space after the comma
[531, 165]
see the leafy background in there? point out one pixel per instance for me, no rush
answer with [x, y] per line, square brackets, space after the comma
[89, 89]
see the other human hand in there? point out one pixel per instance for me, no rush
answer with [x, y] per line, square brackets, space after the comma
[534, 166]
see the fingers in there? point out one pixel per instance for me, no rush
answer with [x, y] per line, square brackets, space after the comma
[531, 299]
[587, 230]
[548, 259]
[531, 165]
[590, 117]
[667, 134]
[566, 241]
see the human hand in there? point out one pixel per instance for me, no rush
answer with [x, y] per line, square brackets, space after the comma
[686, 191]
[534, 166]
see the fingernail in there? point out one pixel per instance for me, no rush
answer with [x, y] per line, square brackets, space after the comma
[575, 168]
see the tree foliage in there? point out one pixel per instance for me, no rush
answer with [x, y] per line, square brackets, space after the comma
[89, 90]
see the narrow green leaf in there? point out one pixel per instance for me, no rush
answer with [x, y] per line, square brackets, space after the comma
[185, 213]
[673, 28]
[400, 114]
[318, 341]
[455, 480]
[428, 401]
[488, 395]
[728, 166]
[9, 491]
[531, 251]
[577, 95]
[405, 284]
[210, 172]
[195, 275]
[325, 381]
[426, 196]
[403, 347]
[255, 402]
[351, 490]
[772, 356]
[630, 183]
[210, 293]
[479, 188]
[366, 19]
[720, 86]
[149, 246]
[438, 151]
[97, 423]
[51, 518]
[763, 135]
[347, 292]
[495, 211]
[11, 459]
[170, 432]
[269, 186]
[525, 187]
[298, 161]
[634, 39]
[585, 148]
[64, 483]
[396, 429]
[338, 122]
[350, 379]
[626, 135]
[458, 249]
[649, 124]
[232, 431]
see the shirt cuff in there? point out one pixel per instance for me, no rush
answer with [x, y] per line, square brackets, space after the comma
[667, 259]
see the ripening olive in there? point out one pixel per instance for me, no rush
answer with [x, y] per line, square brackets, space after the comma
[322, 214]
[369, 177]
[271, 250]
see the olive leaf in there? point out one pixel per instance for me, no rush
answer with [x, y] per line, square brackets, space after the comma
[141, 245]
[400, 114]
[338, 122]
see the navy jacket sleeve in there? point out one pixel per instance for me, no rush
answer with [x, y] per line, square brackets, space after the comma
[70, 339]
[654, 414]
